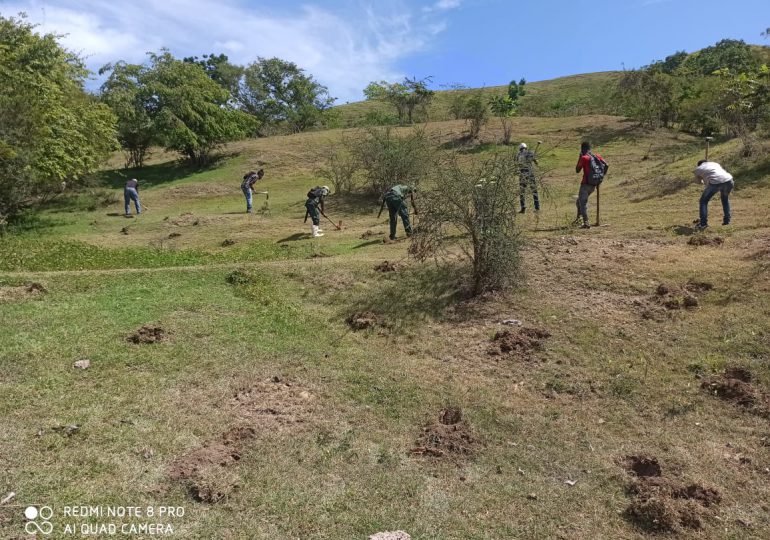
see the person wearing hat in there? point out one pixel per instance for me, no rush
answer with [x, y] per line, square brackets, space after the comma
[394, 199]
[247, 186]
[131, 193]
[315, 207]
[525, 158]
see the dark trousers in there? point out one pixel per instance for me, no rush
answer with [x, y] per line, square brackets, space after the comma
[397, 207]
[312, 210]
[724, 194]
[527, 178]
[582, 200]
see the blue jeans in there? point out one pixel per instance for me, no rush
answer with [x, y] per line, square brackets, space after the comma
[130, 194]
[724, 190]
[248, 194]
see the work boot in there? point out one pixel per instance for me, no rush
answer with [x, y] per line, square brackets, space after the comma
[585, 226]
[316, 234]
[522, 211]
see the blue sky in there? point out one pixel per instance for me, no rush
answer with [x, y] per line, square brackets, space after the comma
[347, 43]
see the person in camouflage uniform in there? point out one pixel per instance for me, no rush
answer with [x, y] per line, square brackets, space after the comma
[394, 199]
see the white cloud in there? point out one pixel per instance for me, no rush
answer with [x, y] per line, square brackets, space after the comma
[442, 5]
[344, 52]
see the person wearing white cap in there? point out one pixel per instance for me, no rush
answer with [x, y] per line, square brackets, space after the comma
[131, 193]
[315, 200]
[525, 158]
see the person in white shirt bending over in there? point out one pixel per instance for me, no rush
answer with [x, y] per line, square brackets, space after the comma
[717, 180]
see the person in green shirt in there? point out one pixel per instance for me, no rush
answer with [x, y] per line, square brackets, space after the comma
[394, 199]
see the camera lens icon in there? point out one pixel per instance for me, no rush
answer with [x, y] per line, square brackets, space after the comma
[38, 520]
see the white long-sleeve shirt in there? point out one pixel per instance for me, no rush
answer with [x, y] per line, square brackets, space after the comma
[712, 172]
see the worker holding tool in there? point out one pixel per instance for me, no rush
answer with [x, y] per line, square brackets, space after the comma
[315, 208]
[394, 198]
[716, 180]
[247, 186]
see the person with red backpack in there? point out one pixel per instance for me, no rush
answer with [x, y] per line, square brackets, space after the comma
[594, 169]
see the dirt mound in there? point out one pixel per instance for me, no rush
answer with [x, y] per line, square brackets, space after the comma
[734, 385]
[239, 277]
[673, 297]
[520, 342]
[262, 409]
[450, 416]
[451, 436]
[738, 372]
[21, 292]
[227, 242]
[363, 321]
[148, 334]
[386, 266]
[125, 230]
[370, 234]
[665, 505]
[704, 240]
[175, 235]
[642, 466]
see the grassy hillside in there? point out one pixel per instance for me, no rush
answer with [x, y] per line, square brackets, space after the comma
[565, 96]
[264, 414]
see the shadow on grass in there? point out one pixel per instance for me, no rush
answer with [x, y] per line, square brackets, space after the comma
[293, 238]
[353, 203]
[159, 174]
[756, 173]
[401, 298]
[31, 222]
[666, 185]
[366, 244]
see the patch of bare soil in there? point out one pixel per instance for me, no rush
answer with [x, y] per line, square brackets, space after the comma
[175, 235]
[704, 240]
[665, 505]
[520, 342]
[189, 219]
[227, 242]
[734, 385]
[364, 320]
[148, 334]
[318, 255]
[21, 292]
[370, 234]
[642, 466]
[263, 408]
[387, 266]
[450, 436]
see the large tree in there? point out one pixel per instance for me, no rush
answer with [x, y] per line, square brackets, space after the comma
[126, 94]
[192, 113]
[51, 130]
[407, 97]
[277, 92]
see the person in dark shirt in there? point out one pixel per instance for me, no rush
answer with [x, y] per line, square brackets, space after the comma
[131, 193]
[247, 186]
[526, 159]
[394, 198]
[314, 206]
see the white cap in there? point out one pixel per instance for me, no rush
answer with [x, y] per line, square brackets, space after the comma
[522, 146]
[326, 188]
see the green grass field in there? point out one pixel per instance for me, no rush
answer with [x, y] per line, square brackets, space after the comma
[263, 414]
